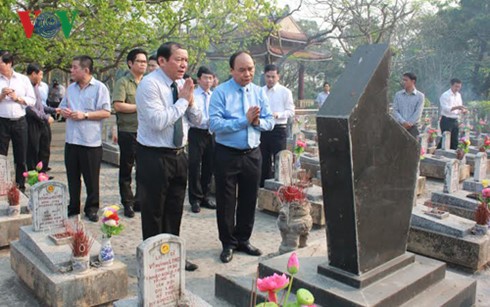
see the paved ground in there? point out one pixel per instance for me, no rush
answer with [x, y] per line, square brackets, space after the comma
[199, 231]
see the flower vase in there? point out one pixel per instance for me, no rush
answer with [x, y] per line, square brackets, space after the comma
[80, 264]
[106, 254]
[480, 230]
[14, 210]
[460, 154]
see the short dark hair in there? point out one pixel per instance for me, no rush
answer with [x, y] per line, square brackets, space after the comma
[33, 67]
[85, 62]
[411, 76]
[204, 70]
[455, 80]
[152, 58]
[235, 55]
[271, 67]
[7, 57]
[325, 83]
[165, 49]
[133, 53]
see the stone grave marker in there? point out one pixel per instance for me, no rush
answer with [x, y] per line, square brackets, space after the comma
[446, 140]
[5, 176]
[48, 202]
[480, 171]
[451, 180]
[161, 276]
[284, 167]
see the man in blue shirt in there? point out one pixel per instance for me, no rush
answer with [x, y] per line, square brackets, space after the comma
[238, 112]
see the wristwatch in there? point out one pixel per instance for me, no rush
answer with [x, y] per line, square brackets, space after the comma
[86, 115]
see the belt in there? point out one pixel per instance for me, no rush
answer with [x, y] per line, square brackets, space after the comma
[236, 150]
[12, 119]
[200, 130]
[168, 150]
[451, 118]
[282, 126]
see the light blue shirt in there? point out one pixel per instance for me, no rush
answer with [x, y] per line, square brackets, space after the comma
[43, 90]
[157, 113]
[228, 114]
[93, 97]
[408, 107]
[201, 100]
[320, 99]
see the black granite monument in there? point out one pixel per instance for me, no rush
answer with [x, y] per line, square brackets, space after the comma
[369, 173]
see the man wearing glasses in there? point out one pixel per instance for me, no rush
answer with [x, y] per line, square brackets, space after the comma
[123, 98]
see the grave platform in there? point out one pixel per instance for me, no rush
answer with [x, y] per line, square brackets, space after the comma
[472, 186]
[10, 225]
[110, 153]
[456, 203]
[424, 282]
[44, 267]
[434, 166]
[193, 301]
[449, 239]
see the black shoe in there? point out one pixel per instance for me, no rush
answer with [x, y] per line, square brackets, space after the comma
[72, 213]
[50, 177]
[136, 207]
[92, 216]
[226, 255]
[195, 207]
[249, 249]
[189, 266]
[208, 204]
[128, 211]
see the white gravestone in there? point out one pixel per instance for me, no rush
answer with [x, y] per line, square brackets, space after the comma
[480, 171]
[424, 141]
[451, 180]
[446, 140]
[161, 276]
[48, 203]
[284, 167]
[5, 176]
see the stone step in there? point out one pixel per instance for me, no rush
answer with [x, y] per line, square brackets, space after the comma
[452, 291]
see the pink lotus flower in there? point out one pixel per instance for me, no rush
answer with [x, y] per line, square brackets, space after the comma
[486, 193]
[272, 284]
[39, 166]
[25, 174]
[293, 264]
[42, 177]
[301, 144]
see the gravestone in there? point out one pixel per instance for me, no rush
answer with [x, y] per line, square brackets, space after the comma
[480, 171]
[451, 181]
[5, 176]
[161, 275]
[284, 167]
[446, 140]
[48, 203]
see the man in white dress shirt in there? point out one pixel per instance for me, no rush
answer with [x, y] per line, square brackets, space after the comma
[451, 107]
[164, 104]
[201, 146]
[282, 107]
[16, 93]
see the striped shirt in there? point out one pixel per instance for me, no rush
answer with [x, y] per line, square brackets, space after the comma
[407, 107]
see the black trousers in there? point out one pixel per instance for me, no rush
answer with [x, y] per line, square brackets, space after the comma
[38, 143]
[271, 142]
[83, 161]
[201, 155]
[127, 147]
[161, 180]
[15, 130]
[45, 146]
[451, 125]
[236, 169]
